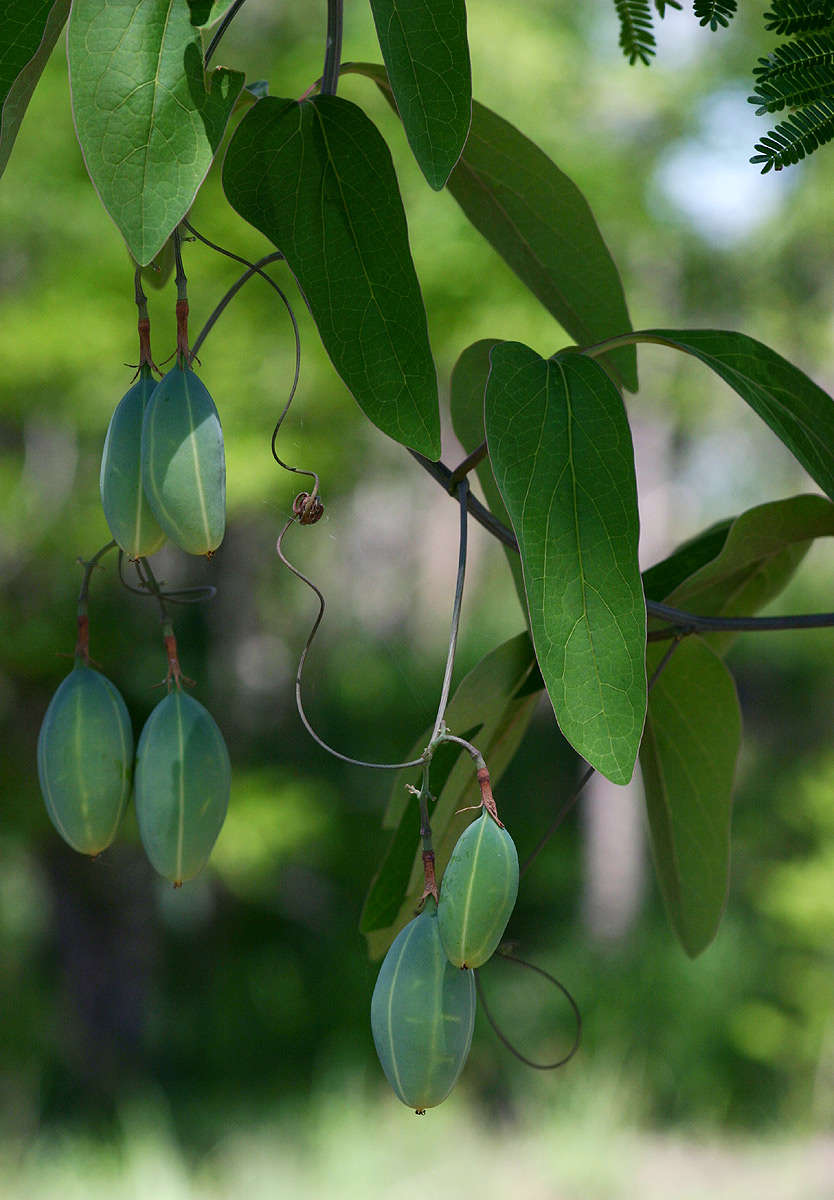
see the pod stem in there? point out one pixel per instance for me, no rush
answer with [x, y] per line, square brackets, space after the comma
[183, 352]
[429, 876]
[149, 582]
[144, 326]
[82, 642]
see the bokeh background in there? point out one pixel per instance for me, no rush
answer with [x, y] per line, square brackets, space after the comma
[215, 1041]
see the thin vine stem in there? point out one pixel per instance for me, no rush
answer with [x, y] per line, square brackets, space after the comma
[257, 269]
[520, 962]
[223, 26]
[439, 733]
[333, 47]
[82, 641]
[462, 491]
[679, 619]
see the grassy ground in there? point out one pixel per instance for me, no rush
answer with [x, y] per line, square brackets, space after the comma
[348, 1145]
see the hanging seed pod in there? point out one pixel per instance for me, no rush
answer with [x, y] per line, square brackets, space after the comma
[183, 462]
[422, 1015]
[123, 499]
[85, 756]
[478, 892]
[181, 786]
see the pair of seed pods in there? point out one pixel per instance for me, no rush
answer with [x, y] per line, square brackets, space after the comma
[423, 1006]
[181, 778]
[163, 469]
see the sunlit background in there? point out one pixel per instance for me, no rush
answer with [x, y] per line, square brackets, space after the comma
[215, 1041]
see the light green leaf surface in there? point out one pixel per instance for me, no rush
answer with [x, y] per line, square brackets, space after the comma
[148, 123]
[763, 548]
[541, 225]
[561, 452]
[316, 177]
[662, 578]
[466, 404]
[799, 412]
[493, 706]
[30, 31]
[688, 759]
[426, 55]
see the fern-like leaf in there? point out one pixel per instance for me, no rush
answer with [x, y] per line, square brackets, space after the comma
[790, 17]
[791, 140]
[636, 30]
[715, 12]
[796, 74]
[662, 5]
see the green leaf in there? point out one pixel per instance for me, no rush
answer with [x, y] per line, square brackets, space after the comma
[541, 225]
[664, 577]
[688, 759]
[147, 122]
[763, 548]
[493, 705]
[561, 452]
[30, 30]
[799, 413]
[466, 403]
[426, 54]
[317, 178]
[206, 12]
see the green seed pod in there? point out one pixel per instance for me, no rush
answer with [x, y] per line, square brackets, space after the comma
[85, 756]
[422, 1015]
[181, 787]
[123, 499]
[478, 892]
[183, 464]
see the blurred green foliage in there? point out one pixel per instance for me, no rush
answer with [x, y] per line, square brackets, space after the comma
[251, 984]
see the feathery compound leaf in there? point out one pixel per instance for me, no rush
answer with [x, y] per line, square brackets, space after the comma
[662, 5]
[797, 75]
[799, 16]
[791, 140]
[715, 12]
[636, 30]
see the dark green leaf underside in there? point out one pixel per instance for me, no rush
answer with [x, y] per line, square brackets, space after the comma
[688, 758]
[799, 412]
[316, 177]
[541, 225]
[426, 55]
[561, 452]
[30, 30]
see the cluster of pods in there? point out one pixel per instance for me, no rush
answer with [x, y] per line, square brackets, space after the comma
[162, 474]
[423, 1006]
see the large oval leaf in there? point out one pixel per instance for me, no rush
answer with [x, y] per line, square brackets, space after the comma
[541, 225]
[30, 30]
[688, 759]
[426, 54]
[317, 178]
[561, 451]
[147, 122]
